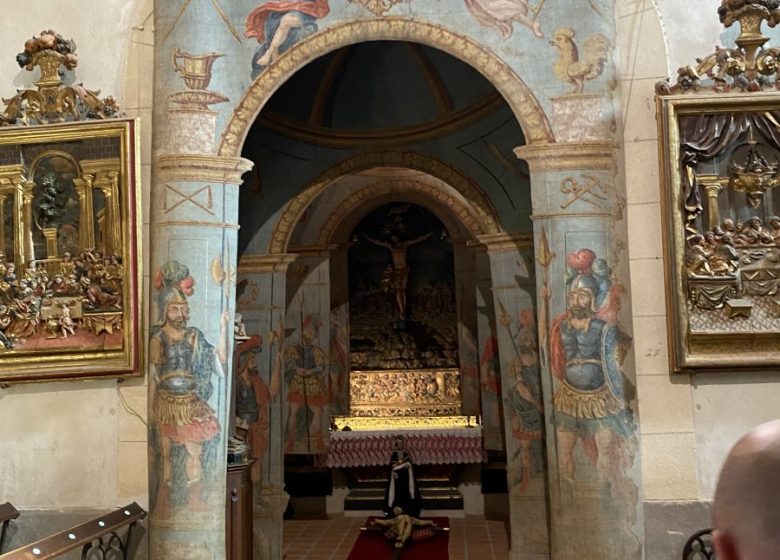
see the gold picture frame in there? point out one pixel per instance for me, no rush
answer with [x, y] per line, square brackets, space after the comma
[719, 156]
[70, 276]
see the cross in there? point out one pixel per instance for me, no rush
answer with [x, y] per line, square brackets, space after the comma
[191, 198]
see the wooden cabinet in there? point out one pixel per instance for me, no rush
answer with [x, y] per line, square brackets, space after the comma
[239, 512]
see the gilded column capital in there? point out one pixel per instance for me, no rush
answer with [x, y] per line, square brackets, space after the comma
[563, 156]
[206, 168]
[265, 263]
[500, 242]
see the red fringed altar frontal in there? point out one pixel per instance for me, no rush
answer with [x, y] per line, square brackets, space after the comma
[372, 545]
[373, 447]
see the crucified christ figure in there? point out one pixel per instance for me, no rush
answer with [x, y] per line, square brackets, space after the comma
[400, 273]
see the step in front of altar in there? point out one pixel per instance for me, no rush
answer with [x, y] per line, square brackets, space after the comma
[436, 495]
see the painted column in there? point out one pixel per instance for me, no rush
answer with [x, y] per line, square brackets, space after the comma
[194, 203]
[258, 377]
[513, 287]
[339, 332]
[489, 366]
[586, 360]
[83, 186]
[468, 353]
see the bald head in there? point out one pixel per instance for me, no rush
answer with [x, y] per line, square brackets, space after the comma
[746, 508]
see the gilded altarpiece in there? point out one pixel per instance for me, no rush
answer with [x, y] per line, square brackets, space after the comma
[69, 278]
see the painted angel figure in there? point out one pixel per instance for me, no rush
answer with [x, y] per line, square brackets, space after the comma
[503, 14]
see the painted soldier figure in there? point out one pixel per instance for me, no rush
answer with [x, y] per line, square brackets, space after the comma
[306, 365]
[592, 400]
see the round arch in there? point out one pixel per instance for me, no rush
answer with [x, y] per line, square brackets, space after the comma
[451, 209]
[468, 201]
[518, 95]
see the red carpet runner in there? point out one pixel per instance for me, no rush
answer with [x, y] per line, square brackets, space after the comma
[372, 545]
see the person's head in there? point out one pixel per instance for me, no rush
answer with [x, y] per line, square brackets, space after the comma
[398, 443]
[177, 311]
[745, 509]
[580, 303]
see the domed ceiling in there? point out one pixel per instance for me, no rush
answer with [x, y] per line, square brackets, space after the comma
[379, 88]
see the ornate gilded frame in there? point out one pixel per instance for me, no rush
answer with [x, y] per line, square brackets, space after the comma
[76, 313]
[694, 350]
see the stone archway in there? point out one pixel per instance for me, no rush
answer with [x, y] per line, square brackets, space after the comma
[203, 237]
[473, 205]
[518, 95]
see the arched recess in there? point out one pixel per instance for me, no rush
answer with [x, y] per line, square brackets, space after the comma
[518, 95]
[472, 202]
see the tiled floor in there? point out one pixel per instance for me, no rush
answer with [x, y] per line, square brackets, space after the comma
[472, 538]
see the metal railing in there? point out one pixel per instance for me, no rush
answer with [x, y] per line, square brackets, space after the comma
[7, 513]
[97, 538]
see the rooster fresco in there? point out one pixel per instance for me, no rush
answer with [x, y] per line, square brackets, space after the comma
[572, 69]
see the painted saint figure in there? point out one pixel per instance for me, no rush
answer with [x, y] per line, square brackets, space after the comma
[592, 400]
[279, 24]
[306, 368]
[182, 364]
[400, 269]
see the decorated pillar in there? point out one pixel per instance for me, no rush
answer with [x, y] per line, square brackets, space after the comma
[491, 408]
[258, 375]
[194, 215]
[586, 361]
[468, 352]
[12, 188]
[104, 176]
[339, 332]
[513, 289]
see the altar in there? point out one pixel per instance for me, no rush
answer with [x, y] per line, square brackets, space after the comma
[434, 445]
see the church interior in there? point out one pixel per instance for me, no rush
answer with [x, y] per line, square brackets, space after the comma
[383, 279]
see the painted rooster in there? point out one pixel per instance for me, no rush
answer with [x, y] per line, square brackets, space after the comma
[572, 69]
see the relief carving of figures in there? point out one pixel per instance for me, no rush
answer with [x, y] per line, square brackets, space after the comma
[253, 398]
[184, 430]
[503, 14]
[592, 396]
[731, 224]
[279, 24]
[306, 372]
[524, 402]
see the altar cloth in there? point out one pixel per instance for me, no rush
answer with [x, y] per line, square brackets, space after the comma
[427, 447]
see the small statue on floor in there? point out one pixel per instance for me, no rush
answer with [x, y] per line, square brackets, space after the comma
[399, 528]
